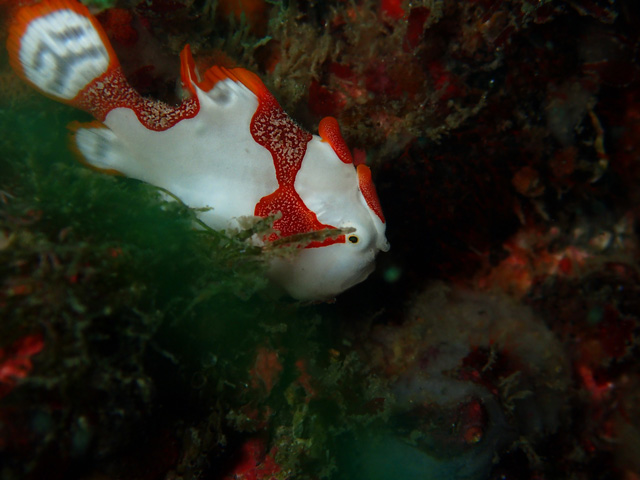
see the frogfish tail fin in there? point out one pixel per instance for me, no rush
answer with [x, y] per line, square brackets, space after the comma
[60, 48]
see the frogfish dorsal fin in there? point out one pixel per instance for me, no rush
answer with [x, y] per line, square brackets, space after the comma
[188, 71]
[329, 131]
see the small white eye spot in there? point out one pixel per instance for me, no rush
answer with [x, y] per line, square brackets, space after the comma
[353, 239]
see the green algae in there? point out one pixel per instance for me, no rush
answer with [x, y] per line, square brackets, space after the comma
[99, 4]
[157, 237]
[151, 324]
[129, 295]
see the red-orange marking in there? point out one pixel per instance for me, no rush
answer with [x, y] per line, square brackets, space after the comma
[112, 90]
[272, 128]
[329, 130]
[368, 190]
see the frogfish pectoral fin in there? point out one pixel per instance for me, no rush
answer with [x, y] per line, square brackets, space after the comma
[99, 148]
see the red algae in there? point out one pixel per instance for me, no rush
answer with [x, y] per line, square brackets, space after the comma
[15, 359]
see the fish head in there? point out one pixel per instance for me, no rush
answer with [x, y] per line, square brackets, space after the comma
[342, 196]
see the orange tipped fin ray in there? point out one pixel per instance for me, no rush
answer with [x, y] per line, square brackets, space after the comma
[188, 71]
[329, 131]
[368, 189]
[249, 79]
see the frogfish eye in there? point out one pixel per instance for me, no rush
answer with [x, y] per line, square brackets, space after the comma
[353, 239]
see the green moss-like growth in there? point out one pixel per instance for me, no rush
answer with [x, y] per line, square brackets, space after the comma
[99, 4]
[133, 302]
[151, 325]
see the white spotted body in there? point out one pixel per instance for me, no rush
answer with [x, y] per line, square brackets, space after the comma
[228, 146]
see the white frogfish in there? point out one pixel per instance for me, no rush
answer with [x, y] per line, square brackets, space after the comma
[228, 148]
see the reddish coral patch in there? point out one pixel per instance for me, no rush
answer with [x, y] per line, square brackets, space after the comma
[392, 8]
[117, 24]
[304, 379]
[415, 27]
[15, 361]
[325, 102]
[266, 369]
[254, 463]
[527, 182]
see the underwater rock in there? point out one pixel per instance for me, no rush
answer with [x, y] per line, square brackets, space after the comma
[471, 375]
